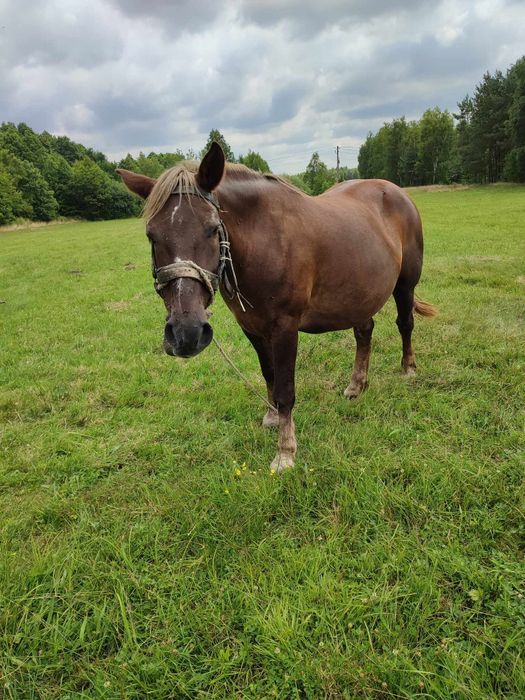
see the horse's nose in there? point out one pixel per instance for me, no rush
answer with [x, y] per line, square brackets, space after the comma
[186, 338]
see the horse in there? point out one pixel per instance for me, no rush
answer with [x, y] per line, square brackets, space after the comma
[284, 262]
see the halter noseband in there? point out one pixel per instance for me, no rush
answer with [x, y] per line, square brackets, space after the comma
[187, 268]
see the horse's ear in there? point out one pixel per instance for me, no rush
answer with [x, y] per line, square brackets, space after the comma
[211, 168]
[139, 184]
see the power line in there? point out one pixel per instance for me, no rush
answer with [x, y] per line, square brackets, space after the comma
[300, 154]
[349, 151]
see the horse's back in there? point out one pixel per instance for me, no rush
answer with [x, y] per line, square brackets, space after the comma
[381, 195]
[395, 208]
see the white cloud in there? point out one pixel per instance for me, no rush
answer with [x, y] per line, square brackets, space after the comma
[285, 77]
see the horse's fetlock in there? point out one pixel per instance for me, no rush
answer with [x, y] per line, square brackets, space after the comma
[271, 419]
[355, 388]
[283, 460]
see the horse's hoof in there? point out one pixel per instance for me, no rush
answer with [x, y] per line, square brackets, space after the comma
[282, 461]
[353, 390]
[408, 372]
[271, 419]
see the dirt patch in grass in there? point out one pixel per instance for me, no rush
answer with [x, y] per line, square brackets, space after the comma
[118, 306]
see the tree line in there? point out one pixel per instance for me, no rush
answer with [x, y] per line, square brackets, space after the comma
[317, 177]
[483, 142]
[43, 176]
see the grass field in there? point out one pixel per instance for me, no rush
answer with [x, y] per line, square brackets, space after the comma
[147, 552]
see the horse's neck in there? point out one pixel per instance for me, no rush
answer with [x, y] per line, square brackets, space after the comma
[242, 209]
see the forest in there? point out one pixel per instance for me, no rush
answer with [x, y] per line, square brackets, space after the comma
[44, 176]
[483, 142]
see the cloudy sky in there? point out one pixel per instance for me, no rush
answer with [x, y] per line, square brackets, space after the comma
[283, 77]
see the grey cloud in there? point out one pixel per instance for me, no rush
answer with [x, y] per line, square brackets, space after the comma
[431, 59]
[172, 16]
[42, 33]
[149, 134]
[111, 111]
[284, 104]
[407, 77]
[287, 100]
[305, 18]
[384, 110]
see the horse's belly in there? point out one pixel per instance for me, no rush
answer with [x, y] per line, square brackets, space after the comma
[322, 321]
[345, 304]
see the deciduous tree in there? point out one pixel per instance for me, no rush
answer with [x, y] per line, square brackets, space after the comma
[255, 161]
[316, 176]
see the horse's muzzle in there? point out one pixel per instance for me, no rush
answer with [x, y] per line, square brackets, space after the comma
[186, 338]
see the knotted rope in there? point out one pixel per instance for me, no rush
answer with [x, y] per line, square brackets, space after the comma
[187, 268]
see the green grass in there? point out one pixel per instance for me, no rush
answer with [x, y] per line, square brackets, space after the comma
[134, 563]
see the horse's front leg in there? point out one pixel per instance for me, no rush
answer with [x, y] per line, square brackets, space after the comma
[263, 349]
[284, 352]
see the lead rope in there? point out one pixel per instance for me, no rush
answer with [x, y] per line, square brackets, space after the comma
[249, 386]
[247, 382]
[225, 259]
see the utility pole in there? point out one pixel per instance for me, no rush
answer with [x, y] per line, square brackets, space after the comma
[337, 165]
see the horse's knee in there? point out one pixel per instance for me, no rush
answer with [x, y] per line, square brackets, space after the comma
[364, 333]
[405, 325]
[284, 403]
[284, 398]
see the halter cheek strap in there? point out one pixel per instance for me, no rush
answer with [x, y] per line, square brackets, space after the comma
[187, 268]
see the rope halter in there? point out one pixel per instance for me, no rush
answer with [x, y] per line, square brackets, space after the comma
[186, 268]
[225, 274]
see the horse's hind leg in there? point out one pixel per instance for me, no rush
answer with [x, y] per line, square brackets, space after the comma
[264, 353]
[404, 296]
[359, 378]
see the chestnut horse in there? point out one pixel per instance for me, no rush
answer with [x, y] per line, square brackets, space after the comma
[284, 262]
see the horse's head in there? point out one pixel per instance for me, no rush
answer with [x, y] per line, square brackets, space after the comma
[183, 225]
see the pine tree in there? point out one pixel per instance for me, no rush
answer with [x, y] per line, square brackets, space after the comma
[490, 111]
[515, 126]
[216, 135]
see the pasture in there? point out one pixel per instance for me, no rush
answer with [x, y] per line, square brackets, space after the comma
[146, 551]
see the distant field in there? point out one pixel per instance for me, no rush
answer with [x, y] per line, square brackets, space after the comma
[135, 560]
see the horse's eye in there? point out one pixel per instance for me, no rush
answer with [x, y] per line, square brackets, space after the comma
[212, 230]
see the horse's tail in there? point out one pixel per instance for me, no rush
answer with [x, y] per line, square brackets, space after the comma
[423, 308]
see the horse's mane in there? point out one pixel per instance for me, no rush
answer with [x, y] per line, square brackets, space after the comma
[241, 172]
[182, 176]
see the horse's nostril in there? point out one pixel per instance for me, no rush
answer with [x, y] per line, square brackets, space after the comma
[207, 334]
[168, 333]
